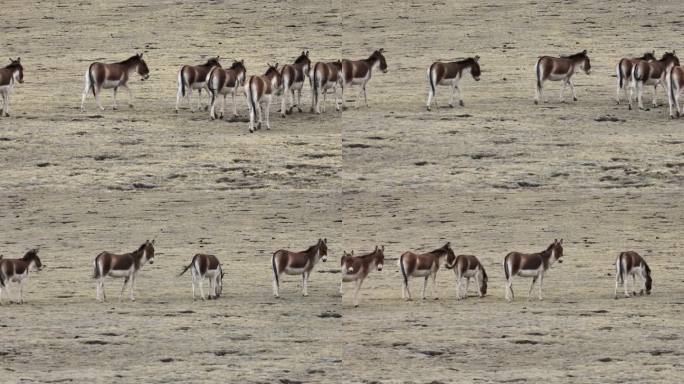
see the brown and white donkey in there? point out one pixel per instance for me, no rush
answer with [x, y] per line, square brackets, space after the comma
[632, 264]
[113, 76]
[357, 268]
[325, 76]
[224, 81]
[17, 270]
[260, 90]
[194, 77]
[560, 69]
[206, 266]
[293, 80]
[297, 263]
[465, 267]
[624, 71]
[9, 77]
[532, 265]
[422, 265]
[450, 74]
[358, 72]
[125, 265]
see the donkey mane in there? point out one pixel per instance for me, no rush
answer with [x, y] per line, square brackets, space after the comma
[30, 254]
[211, 62]
[14, 64]
[237, 64]
[130, 60]
[302, 59]
[579, 55]
[467, 61]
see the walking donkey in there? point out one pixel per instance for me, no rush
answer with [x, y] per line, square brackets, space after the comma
[325, 76]
[651, 73]
[206, 266]
[260, 90]
[624, 71]
[450, 74]
[465, 267]
[631, 263]
[126, 265]
[676, 86]
[293, 76]
[224, 81]
[17, 270]
[357, 268]
[560, 69]
[358, 72]
[297, 263]
[532, 265]
[9, 76]
[422, 265]
[113, 76]
[194, 77]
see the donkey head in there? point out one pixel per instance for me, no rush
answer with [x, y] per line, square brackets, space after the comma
[649, 280]
[149, 251]
[213, 62]
[141, 67]
[648, 56]
[304, 59]
[18, 73]
[347, 262]
[557, 248]
[475, 68]
[669, 59]
[31, 257]
[219, 285]
[379, 257]
[378, 55]
[585, 62]
[323, 249]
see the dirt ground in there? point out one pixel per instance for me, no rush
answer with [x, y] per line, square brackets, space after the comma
[497, 175]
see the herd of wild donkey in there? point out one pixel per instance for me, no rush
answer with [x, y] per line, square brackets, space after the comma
[632, 74]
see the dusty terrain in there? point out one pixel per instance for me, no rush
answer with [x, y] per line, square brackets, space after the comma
[498, 175]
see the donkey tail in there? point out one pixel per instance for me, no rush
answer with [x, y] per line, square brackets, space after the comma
[431, 79]
[671, 94]
[507, 273]
[403, 270]
[315, 84]
[210, 76]
[91, 78]
[620, 271]
[620, 74]
[275, 270]
[252, 95]
[484, 273]
[538, 72]
[181, 81]
[96, 268]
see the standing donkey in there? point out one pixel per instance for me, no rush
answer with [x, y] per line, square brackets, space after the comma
[126, 265]
[560, 69]
[651, 73]
[297, 263]
[532, 265]
[194, 77]
[632, 264]
[325, 76]
[357, 268]
[17, 270]
[676, 86]
[422, 265]
[224, 81]
[206, 266]
[293, 76]
[260, 89]
[450, 74]
[113, 76]
[465, 267]
[624, 71]
[9, 76]
[358, 72]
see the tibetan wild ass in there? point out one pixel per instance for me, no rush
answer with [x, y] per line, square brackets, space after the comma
[194, 77]
[297, 263]
[422, 265]
[17, 270]
[632, 264]
[357, 268]
[126, 265]
[206, 266]
[560, 69]
[532, 265]
[113, 76]
[358, 72]
[465, 267]
[9, 77]
[450, 74]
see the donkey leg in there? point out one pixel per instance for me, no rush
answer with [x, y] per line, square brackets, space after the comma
[529, 294]
[276, 286]
[565, 83]
[194, 282]
[408, 291]
[258, 112]
[130, 95]
[104, 292]
[97, 97]
[267, 112]
[425, 282]
[458, 288]
[200, 280]
[434, 285]
[84, 95]
[283, 102]
[223, 105]
[467, 284]
[123, 288]
[541, 285]
[365, 97]
[21, 291]
[572, 88]
[634, 285]
[133, 276]
[356, 292]
[115, 107]
[305, 283]
[234, 105]
[299, 99]
[199, 99]
[655, 92]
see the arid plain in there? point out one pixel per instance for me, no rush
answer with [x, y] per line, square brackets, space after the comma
[497, 175]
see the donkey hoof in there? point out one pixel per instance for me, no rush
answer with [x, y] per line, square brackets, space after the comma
[6, 114]
[258, 126]
[282, 115]
[574, 99]
[131, 106]
[356, 305]
[451, 105]
[300, 110]
[461, 103]
[429, 109]
[115, 108]
[641, 293]
[251, 130]
[536, 102]
[630, 107]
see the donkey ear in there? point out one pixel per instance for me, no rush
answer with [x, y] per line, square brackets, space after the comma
[307, 53]
[561, 241]
[477, 58]
[584, 52]
[18, 59]
[325, 240]
[382, 248]
[276, 65]
[140, 55]
[381, 50]
[448, 244]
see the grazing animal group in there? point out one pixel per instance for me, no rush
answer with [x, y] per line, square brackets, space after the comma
[353, 269]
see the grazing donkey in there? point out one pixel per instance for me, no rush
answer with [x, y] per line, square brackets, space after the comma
[676, 86]
[450, 74]
[624, 71]
[532, 265]
[631, 263]
[358, 72]
[260, 89]
[422, 265]
[357, 268]
[467, 266]
[651, 73]
[194, 77]
[9, 76]
[297, 263]
[113, 76]
[126, 265]
[293, 76]
[17, 270]
[560, 69]
[324, 77]
[224, 81]
[206, 266]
